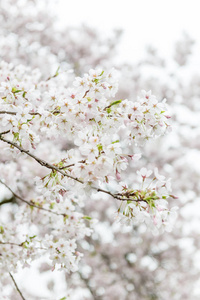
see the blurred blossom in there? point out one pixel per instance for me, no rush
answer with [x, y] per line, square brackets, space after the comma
[118, 262]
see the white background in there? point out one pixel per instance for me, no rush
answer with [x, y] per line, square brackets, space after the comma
[145, 22]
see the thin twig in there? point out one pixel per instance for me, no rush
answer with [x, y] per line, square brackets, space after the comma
[7, 201]
[2, 112]
[86, 93]
[4, 132]
[31, 203]
[10, 243]
[87, 284]
[59, 170]
[20, 245]
[39, 160]
[72, 165]
[17, 286]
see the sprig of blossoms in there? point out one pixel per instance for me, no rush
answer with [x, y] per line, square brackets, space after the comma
[102, 133]
[148, 204]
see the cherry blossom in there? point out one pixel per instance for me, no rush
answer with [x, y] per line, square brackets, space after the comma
[100, 141]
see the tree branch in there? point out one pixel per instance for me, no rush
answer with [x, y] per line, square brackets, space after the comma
[20, 245]
[39, 160]
[10, 243]
[30, 203]
[2, 112]
[72, 165]
[7, 200]
[59, 170]
[17, 288]
[4, 132]
[87, 284]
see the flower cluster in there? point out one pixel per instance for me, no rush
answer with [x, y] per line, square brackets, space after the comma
[103, 133]
[148, 203]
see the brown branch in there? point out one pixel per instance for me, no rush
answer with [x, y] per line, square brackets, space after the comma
[87, 284]
[31, 203]
[59, 170]
[10, 243]
[4, 132]
[20, 245]
[7, 201]
[118, 196]
[17, 288]
[30, 113]
[86, 93]
[72, 165]
[39, 160]
[14, 113]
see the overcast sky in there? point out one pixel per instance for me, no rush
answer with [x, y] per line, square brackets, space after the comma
[155, 22]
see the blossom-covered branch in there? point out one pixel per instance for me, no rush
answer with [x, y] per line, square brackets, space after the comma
[104, 134]
[30, 203]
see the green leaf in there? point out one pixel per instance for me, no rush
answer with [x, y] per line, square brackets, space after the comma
[96, 80]
[87, 218]
[63, 298]
[14, 90]
[128, 202]
[16, 135]
[100, 147]
[56, 74]
[52, 205]
[115, 102]
[65, 218]
[108, 110]
[101, 73]
[18, 91]
[24, 244]
[1, 230]
[117, 141]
